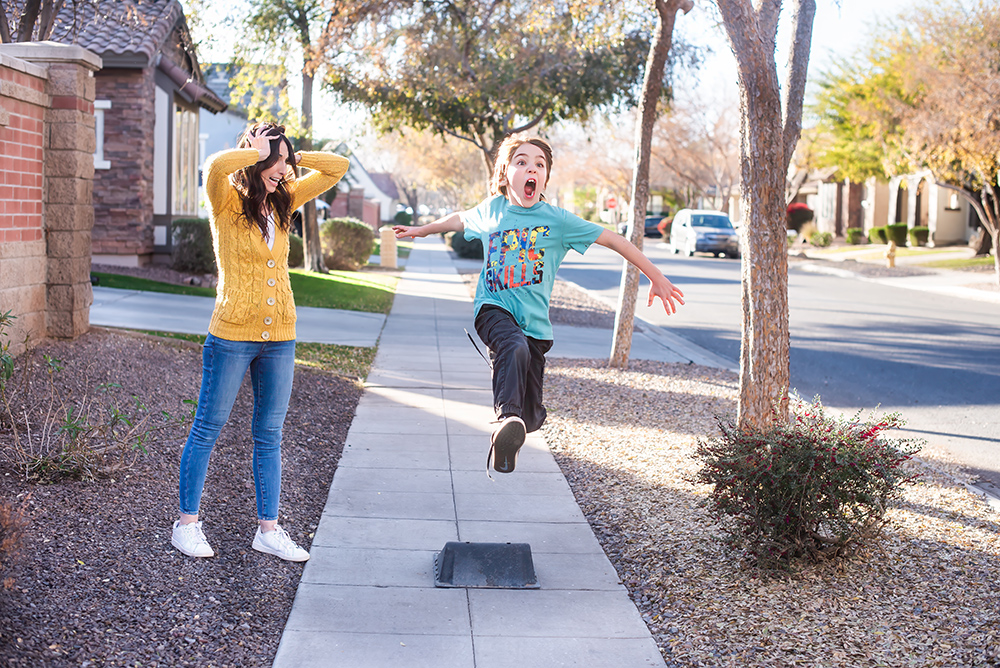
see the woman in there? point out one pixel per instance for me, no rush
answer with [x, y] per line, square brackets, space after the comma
[252, 191]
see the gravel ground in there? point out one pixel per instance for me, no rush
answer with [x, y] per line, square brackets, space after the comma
[925, 595]
[100, 585]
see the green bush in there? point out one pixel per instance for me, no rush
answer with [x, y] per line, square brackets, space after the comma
[296, 252]
[820, 239]
[896, 232]
[815, 487]
[878, 235]
[402, 218]
[192, 249]
[919, 235]
[856, 236]
[347, 243]
[470, 250]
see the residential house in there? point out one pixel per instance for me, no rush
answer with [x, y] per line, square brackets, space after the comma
[914, 199]
[148, 97]
[218, 132]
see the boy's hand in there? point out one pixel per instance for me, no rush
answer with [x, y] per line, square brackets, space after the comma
[667, 292]
[403, 231]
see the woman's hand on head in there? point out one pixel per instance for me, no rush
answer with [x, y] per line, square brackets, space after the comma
[260, 139]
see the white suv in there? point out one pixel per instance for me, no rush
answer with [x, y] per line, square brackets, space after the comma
[703, 231]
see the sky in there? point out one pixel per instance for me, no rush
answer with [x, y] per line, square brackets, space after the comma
[839, 28]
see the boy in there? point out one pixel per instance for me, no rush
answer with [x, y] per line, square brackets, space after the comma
[524, 241]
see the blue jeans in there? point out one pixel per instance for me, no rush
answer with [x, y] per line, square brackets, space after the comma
[224, 364]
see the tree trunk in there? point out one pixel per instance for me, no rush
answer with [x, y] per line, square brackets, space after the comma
[652, 87]
[996, 257]
[992, 231]
[29, 18]
[412, 201]
[312, 250]
[768, 138]
[764, 366]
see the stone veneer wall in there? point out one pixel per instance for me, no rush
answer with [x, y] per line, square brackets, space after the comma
[124, 223]
[54, 163]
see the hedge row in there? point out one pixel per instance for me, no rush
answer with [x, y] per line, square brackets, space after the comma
[347, 244]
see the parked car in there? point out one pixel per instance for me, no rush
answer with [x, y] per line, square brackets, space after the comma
[702, 231]
[650, 226]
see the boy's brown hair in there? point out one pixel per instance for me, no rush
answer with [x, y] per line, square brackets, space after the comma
[504, 154]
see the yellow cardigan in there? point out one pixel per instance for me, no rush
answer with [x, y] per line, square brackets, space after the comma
[254, 297]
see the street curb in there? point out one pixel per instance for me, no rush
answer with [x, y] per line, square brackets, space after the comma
[664, 337]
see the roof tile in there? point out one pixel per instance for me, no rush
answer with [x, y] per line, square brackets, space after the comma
[118, 26]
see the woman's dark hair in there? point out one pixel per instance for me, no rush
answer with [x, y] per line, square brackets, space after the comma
[251, 186]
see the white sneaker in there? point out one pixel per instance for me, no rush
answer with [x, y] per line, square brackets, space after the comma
[280, 544]
[189, 539]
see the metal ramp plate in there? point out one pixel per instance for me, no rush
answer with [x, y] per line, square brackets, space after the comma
[485, 566]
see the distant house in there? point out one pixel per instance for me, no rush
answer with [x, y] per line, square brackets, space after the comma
[218, 132]
[914, 199]
[221, 131]
[148, 97]
[368, 196]
[917, 200]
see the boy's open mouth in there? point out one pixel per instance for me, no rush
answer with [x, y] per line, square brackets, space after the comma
[529, 188]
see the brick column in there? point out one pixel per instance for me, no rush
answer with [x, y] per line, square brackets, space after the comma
[23, 104]
[67, 191]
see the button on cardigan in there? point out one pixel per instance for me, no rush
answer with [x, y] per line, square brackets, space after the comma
[254, 297]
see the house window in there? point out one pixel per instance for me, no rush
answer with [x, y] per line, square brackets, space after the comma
[185, 161]
[99, 107]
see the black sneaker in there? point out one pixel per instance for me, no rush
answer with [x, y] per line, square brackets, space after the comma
[505, 444]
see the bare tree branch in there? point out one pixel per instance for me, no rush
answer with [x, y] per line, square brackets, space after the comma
[28, 20]
[795, 83]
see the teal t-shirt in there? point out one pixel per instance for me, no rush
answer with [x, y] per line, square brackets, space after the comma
[522, 249]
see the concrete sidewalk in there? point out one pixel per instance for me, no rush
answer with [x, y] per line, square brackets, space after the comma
[413, 477]
[186, 314]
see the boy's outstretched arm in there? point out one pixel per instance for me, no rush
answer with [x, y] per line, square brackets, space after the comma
[660, 286]
[450, 223]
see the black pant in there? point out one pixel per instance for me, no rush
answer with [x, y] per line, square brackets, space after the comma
[518, 366]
